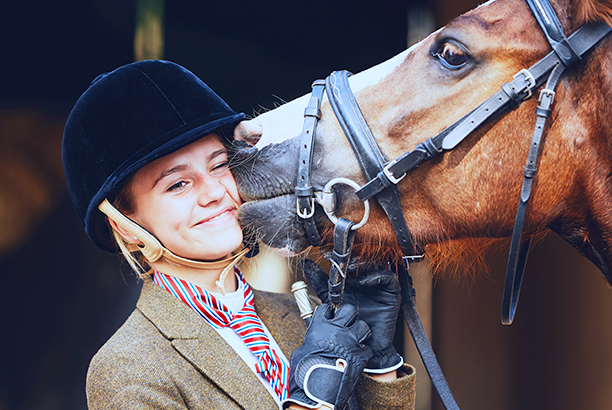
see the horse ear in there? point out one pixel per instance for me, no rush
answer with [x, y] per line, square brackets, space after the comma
[591, 11]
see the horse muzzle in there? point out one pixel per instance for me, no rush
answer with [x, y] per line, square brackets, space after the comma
[266, 181]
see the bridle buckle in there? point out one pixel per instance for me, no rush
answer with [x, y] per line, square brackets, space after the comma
[305, 214]
[389, 175]
[531, 82]
[546, 91]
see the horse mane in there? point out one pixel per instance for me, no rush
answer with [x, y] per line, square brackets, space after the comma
[459, 259]
[591, 11]
[463, 258]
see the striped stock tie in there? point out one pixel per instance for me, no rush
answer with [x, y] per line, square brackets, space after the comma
[245, 323]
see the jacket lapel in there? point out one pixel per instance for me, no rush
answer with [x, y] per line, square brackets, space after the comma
[202, 346]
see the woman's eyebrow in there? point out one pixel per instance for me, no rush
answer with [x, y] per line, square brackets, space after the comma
[216, 153]
[177, 168]
[182, 167]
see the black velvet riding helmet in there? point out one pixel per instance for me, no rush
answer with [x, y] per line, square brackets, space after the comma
[126, 119]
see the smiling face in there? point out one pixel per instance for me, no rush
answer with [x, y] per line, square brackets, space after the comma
[188, 201]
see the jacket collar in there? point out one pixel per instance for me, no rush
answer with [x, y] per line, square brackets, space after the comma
[202, 346]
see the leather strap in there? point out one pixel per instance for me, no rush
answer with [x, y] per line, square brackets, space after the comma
[153, 250]
[511, 94]
[551, 26]
[384, 178]
[353, 123]
[517, 257]
[303, 189]
[339, 259]
[368, 153]
[421, 341]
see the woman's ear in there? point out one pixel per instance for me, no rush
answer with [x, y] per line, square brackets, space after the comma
[124, 234]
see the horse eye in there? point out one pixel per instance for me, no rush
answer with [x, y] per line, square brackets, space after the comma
[451, 56]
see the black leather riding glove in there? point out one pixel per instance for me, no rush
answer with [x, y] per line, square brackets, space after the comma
[376, 294]
[327, 366]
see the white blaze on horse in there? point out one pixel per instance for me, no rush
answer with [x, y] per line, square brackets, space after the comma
[468, 194]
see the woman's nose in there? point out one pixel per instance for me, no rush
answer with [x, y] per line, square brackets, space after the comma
[211, 190]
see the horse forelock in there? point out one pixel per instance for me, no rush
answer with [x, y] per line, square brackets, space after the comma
[583, 11]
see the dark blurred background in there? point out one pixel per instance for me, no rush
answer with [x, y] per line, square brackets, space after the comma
[61, 298]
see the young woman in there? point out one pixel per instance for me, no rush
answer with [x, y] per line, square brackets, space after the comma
[146, 164]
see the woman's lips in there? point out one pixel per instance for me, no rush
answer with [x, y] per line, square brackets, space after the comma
[220, 216]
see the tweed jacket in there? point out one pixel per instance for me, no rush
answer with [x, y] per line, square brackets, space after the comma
[165, 356]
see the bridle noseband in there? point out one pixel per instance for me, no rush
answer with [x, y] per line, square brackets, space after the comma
[383, 176]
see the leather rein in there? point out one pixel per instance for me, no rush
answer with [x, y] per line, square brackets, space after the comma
[383, 176]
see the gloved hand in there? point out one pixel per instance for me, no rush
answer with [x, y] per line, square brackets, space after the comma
[327, 366]
[376, 294]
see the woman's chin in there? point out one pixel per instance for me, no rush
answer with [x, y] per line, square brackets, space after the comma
[214, 247]
[222, 252]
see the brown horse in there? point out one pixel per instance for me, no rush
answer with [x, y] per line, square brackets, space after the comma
[468, 195]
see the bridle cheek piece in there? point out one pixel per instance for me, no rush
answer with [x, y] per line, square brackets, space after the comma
[383, 176]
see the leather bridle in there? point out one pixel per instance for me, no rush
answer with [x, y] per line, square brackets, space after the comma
[383, 176]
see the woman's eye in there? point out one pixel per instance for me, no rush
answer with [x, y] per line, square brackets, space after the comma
[220, 166]
[451, 56]
[178, 185]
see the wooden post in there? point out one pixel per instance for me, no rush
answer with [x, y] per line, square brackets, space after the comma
[149, 33]
[420, 23]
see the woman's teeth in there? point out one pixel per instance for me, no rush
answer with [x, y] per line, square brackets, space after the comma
[219, 216]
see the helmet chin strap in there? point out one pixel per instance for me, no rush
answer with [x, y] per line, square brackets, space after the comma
[153, 250]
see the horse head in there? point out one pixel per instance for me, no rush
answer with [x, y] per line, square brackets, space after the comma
[471, 192]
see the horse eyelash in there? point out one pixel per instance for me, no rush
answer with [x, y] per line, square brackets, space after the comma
[437, 48]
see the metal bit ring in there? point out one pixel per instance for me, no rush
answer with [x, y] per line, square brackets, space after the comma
[328, 192]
